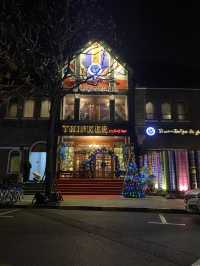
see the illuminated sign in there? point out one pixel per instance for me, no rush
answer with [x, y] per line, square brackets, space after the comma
[180, 131]
[150, 131]
[93, 130]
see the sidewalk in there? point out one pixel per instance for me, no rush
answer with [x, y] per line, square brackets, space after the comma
[113, 203]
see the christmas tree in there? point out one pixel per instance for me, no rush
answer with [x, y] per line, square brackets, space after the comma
[134, 181]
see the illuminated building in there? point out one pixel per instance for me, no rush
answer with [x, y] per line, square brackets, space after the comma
[97, 123]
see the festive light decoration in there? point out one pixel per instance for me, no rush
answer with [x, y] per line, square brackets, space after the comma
[182, 169]
[172, 174]
[133, 182]
[167, 166]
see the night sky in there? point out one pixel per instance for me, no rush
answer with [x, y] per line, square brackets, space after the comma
[160, 40]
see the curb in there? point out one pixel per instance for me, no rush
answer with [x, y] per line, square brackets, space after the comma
[105, 208]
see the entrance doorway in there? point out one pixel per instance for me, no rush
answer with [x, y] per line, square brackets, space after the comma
[104, 166]
[98, 157]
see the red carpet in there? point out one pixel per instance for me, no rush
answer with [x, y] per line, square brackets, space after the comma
[78, 186]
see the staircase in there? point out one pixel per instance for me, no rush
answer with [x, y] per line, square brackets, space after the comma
[32, 188]
[77, 186]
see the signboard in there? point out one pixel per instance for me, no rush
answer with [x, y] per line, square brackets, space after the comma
[93, 130]
[179, 131]
[151, 131]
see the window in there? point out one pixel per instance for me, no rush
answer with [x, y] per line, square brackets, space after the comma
[121, 110]
[68, 107]
[95, 108]
[14, 162]
[29, 108]
[149, 110]
[12, 108]
[166, 111]
[45, 109]
[181, 114]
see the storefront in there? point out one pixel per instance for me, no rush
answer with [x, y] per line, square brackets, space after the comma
[95, 126]
[97, 151]
[172, 157]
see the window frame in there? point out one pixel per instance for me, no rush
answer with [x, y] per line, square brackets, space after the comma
[9, 161]
[185, 112]
[100, 114]
[165, 114]
[153, 113]
[34, 104]
[15, 101]
[126, 108]
[40, 109]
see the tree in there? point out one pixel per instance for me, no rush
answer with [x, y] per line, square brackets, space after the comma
[37, 39]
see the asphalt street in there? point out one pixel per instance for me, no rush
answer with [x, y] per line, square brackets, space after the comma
[41, 237]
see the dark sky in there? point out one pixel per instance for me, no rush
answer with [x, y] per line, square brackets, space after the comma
[160, 40]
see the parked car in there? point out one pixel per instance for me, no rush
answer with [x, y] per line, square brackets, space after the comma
[192, 200]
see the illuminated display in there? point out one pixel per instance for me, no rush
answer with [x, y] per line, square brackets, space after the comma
[95, 130]
[180, 131]
[96, 70]
[169, 168]
[150, 131]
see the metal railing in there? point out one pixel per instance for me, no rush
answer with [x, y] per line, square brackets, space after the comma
[11, 194]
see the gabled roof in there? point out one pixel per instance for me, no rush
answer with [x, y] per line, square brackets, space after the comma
[109, 50]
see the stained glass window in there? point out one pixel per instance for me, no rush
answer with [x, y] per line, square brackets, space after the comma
[97, 70]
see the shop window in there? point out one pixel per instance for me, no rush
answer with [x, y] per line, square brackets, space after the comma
[121, 109]
[181, 112]
[12, 108]
[95, 108]
[14, 162]
[45, 109]
[37, 159]
[29, 108]
[68, 107]
[149, 110]
[166, 111]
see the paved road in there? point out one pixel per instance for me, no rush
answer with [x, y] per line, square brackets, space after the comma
[41, 237]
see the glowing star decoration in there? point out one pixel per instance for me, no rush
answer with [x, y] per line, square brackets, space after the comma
[150, 131]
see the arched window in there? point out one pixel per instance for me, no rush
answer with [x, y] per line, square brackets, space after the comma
[12, 110]
[45, 109]
[29, 108]
[166, 111]
[181, 112]
[149, 110]
[14, 159]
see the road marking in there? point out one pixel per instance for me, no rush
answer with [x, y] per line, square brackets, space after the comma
[2, 214]
[162, 218]
[164, 221]
[196, 263]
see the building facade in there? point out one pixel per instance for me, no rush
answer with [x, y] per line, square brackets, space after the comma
[99, 122]
[168, 130]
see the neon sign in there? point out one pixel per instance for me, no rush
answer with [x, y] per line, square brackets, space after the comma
[180, 131]
[150, 131]
[92, 130]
